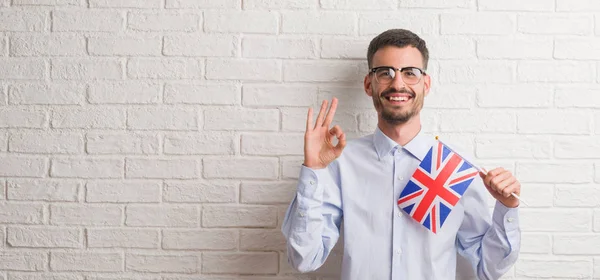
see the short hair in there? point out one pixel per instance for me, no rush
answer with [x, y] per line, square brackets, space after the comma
[398, 38]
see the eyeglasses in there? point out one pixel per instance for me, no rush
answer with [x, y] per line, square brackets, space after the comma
[386, 74]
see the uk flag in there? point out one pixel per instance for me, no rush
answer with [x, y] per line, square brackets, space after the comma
[436, 186]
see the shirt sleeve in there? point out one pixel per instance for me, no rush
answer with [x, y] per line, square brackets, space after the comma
[312, 221]
[490, 245]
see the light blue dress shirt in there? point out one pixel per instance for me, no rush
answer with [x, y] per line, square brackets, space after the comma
[362, 187]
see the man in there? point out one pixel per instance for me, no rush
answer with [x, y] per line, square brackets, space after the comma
[363, 185]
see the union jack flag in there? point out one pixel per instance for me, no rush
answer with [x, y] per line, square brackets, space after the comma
[436, 186]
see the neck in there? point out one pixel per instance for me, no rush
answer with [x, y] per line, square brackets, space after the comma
[401, 133]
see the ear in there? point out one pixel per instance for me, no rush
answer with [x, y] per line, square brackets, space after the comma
[426, 83]
[367, 85]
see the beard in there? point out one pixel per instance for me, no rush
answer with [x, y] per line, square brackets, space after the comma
[394, 114]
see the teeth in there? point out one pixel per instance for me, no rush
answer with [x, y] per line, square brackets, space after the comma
[403, 98]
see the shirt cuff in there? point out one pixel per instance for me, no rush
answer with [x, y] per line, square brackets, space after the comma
[505, 217]
[309, 180]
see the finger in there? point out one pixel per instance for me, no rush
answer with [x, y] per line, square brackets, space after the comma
[502, 186]
[341, 143]
[331, 112]
[335, 131]
[496, 181]
[309, 119]
[496, 171]
[512, 188]
[321, 114]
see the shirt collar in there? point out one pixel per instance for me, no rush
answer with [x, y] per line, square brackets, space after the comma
[419, 146]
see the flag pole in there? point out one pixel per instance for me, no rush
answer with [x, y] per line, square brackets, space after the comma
[479, 169]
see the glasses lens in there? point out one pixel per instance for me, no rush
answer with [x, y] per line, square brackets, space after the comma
[411, 75]
[385, 75]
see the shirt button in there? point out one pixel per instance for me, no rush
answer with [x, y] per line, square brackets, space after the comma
[399, 251]
[510, 220]
[400, 178]
[301, 214]
[399, 214]
[311, 182]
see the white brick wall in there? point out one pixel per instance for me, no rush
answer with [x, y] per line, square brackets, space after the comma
[161, 139]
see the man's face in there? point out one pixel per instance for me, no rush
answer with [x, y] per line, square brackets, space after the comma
[397, 102]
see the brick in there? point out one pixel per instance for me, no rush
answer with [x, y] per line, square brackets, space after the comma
[86, 69]
[555, 172]
[17, 213]
[125, 46]
[577, 6]
[272, 144]
[262, 240]
[244, 263]
[478, 23]
[95, 20]
[126, 276]
[162, 119]
[23, 261]
[121, 192]
[575, 48]
[199, 239]
[586, 96]
[576, 244]
[247, 69]
[344, 48]
[140, 4]
[563, 220]
[42, 190]
[480, 121]
[596, 219]
[18, 166]
[358, 5]
[164, 68]
[290, 167]
[515, 48]
[122, 143]
[3, 46]
[279, 5]
[162, 168]
[202, 4]
[503, 96]
[435, 4]
[324, 23]
[536, 243]
[161, 216]
[46, 94]
[92, 117]
[47, 45]
[553, 122]
[373, 23]
[203, 45]
[294, 119]
[201, 192]
[204, 94]
[246, 168]
[517, 6]
[577, 196]
[122, 238]
[554, 268]
[277, 95]
[86, 261]
[576, 147]
[239, 216]
[86, 168]
[3, 141]
[44, 276]
[323, 71]
[47, 2]
[11, 117]
[448, 47]
[451, 96]
[513, 147]
[276, 47]
[17, 21]
[35, 142]
[488, 72]
[268, 192]
[164, 21]
[263, 22]
[558, 24]
[47, 237]
[216, 143]
[22, 68]
[162, 263]
[241, 119]
[85, 215]
[127, 92]
[537, 195]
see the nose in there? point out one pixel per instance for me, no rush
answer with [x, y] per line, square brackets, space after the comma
[398, 82]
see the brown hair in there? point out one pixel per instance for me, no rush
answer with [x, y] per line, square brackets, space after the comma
[399, 38]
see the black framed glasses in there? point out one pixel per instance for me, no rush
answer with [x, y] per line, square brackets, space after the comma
[386, 74]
